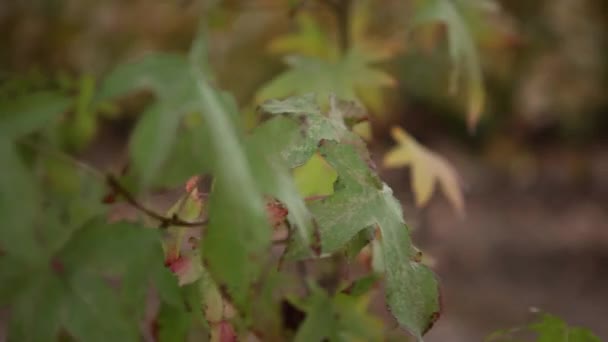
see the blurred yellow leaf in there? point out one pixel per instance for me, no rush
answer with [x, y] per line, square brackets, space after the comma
[427, 169]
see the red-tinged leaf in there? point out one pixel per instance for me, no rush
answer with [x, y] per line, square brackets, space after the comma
[226, 332]
[109, 198]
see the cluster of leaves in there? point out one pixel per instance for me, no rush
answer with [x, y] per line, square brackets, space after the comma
[317, 64]
[68, 272]
[60, 257]
[546, 328]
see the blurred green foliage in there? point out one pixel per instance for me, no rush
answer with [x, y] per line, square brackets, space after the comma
[74, 67]
[80, 276]
[547, 328]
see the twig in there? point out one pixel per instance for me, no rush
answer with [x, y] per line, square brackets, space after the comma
[303, 274]
[165, 221]
[114, 184]
[341, 9]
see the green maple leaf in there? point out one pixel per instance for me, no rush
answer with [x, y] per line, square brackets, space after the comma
[315, 178]
[345, 77]
[361, 200]
[552, 328]
[547, 328]
[297, 128]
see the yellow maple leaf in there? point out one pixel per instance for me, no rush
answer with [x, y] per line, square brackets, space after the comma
[427, 169]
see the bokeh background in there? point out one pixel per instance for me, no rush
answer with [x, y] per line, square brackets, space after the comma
[534, 172]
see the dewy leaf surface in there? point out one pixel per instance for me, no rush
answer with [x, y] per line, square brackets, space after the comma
[428, 169]
[360, 200]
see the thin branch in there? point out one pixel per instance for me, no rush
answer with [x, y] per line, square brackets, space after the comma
[303, 274]
[341, 9]
[114, 184]
[164, 220]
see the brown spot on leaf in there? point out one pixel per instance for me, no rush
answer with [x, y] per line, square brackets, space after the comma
[57, 266]
[434, 317]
